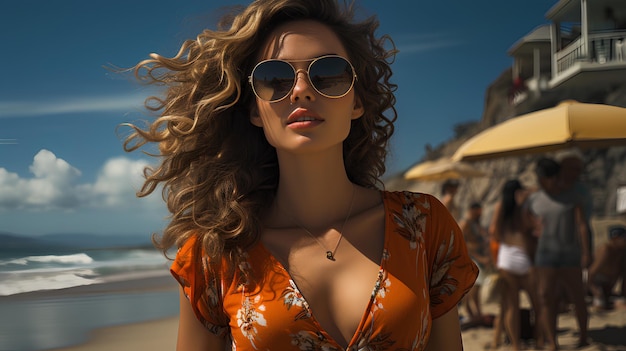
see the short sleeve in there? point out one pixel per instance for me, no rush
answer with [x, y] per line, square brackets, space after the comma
[201, 284]
[452, 271]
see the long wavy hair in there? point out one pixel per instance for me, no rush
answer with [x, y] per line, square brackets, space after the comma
[217, 171]
[509, 203]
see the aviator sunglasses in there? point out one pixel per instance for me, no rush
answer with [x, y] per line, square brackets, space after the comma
[332, 76]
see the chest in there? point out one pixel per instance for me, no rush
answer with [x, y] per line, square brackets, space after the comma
[285, 313]
[338, 292]
[305, 301]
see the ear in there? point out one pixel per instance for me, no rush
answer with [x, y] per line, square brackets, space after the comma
[357, 110]
[255, 116]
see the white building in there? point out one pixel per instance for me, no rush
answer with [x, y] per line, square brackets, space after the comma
[582, 50]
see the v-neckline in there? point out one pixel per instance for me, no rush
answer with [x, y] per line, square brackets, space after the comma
[381, 268]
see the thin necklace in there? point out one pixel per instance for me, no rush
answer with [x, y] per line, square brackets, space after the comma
[329, 254]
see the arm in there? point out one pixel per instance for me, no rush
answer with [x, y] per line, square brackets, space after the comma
[495, 228]
[445, 333]
[581, 223]
[192, 335]
[622, 275]
[600, 261]
[623, 287]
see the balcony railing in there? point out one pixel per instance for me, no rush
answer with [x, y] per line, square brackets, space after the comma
[606, 47]
[571, 54]
[603, 47]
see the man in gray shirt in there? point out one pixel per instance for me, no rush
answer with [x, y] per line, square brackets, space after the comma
[562, 249]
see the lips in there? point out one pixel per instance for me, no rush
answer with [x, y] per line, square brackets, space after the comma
[302, 119]
[303, 116]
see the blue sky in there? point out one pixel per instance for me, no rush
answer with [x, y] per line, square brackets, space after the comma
[62, 167]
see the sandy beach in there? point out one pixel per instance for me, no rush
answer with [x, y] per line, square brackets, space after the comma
[153, 335]
[607, 332]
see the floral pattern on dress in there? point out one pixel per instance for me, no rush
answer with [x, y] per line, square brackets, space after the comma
[211, 295]
[381, 288]
[293, 297]
[420, 338]
[308, 341]
[369, 342]
[441, 282]
[249, 317]
[402, 304]
[411, 222]
[408, 228]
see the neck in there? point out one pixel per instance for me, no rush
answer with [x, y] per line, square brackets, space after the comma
[313, 190]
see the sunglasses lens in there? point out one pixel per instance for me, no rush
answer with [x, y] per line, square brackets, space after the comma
[272, 80]
[331, 76]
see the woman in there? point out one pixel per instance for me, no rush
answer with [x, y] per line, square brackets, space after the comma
[476, 237]
[272, 138]
[449, 189]
[512, 227]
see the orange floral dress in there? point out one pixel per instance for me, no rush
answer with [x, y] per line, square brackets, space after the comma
[424, 272]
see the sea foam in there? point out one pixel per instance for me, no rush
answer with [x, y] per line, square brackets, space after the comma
[22, 282]
[79, 258]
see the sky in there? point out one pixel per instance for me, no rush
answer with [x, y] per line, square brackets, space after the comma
[62, 165]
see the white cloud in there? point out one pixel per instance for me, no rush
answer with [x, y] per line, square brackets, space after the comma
[53, 183]
[118, 181]
[127, 102]
[425, 42]
[55, 186]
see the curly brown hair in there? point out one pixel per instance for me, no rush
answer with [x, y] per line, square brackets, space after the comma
[217, 170]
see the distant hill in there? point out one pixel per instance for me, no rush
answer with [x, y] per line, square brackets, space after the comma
[93, 241]
[14, 242]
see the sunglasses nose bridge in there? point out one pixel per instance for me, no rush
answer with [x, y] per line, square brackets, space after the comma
[305, 76]
[297, 74]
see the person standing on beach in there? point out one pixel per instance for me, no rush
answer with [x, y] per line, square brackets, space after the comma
[272, 137]
[449, 189]
[477, 240]
[512, 227]
[571, 163]
[571, 166]
[562, 250]
[608, 267]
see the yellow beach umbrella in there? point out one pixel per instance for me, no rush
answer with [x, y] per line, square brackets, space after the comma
[569, 124]
[441, 169]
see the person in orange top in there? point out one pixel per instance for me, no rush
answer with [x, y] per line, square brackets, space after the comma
[272, 138]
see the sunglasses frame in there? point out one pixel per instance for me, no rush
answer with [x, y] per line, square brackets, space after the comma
[295, 76]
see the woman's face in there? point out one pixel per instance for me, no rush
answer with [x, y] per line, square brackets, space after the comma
[305, 121]
[520, 196]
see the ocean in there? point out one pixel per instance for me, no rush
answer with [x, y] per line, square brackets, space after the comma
[27, 273]
[55, 297]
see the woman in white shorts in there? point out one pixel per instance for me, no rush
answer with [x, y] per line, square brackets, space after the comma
[512, 228]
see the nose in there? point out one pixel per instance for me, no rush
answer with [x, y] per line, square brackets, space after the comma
[302, 87]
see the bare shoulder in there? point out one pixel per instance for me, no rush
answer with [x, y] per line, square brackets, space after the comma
[369, 203]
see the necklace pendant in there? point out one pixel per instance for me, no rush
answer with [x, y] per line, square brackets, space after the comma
[329, 255]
